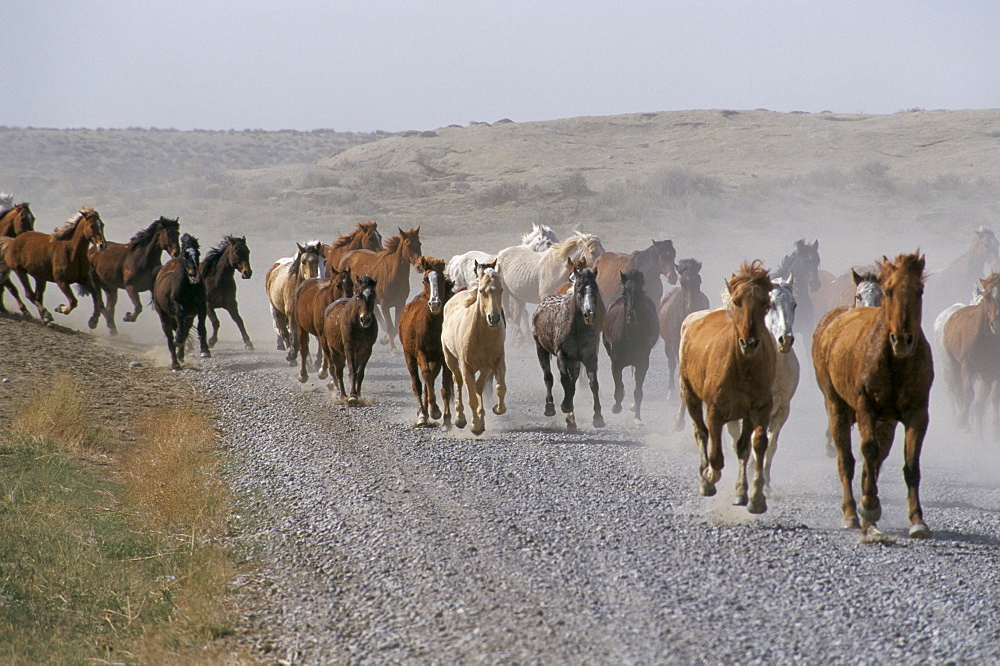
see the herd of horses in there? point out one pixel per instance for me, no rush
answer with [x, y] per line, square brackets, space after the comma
[736, 365]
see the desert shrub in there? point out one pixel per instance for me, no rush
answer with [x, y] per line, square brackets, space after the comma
[574, 185]
[874, 176]
[500, 194]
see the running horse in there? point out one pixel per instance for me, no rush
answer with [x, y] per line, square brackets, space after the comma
[311, 301]
[951, 284]
[179, 298]
[420, 336]
[727, 366]
[875, 369]
[218, 270]
[389, 269]
[364, 237]
[281, 281]
[630, 330]
[675, 306]
[14, 220]
[654, 261]
[349, 333]
[131, 266]
[59, 257]
[802, 265]
[461, 268]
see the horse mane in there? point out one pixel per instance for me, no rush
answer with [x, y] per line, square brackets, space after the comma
[751, 273]
[564, 248]
[392, 244]
[903, 263]
[65, 232]
[146, 235]
[433, 264]
[688, 264]
[636, 276]
[212, 257]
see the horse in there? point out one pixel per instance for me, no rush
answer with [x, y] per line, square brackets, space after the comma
[349, 333]
[131, 266]
[179, 297]
[803, 265]
[420, 336]
[59, 257]
[856, 287]
[311, 301]
[365, 237]
[472, 338]
[874, 367]
[629, 332]
[727, 364]
[564, 326]
[952, 283]
[780, 319]
[461, 268]
[283, 278]
[675, 306]
[14, 220]
[388, 267]
[654, 261]
[218, 270]
[971, 347]
[531, 276]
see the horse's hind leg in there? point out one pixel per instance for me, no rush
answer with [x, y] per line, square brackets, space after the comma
[693, 405]
[412, 366]
[640, 378]
[500, 374]
[17, 297]
[741, 445]
[133, 295]
[203, 335]
[616, 376]
[212, 317]
[476, 386]
[758, 503]
[110, 301]
[545, 360]
[447, 388]
[569, 371]
[303, 351]
[455, 369]
[773, 430]
[36, 296]
[915, 431]
[840, 431]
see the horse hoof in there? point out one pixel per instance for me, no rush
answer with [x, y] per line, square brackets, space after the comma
[112, 332]
[322, 374]
[706, 489]
[599, 421]
[920, 531]
[248, 345]
[460, 423]
[638, 421]
[617, 408]
[851, 523]
[499, 409]
[206, 354]
[870, 511]
[91, 324]
[281, 346]
[353, 401]
[478, 431]
[550, 409]
[571, 426]
[303, 379]
[758, 505]
[435, 412]
[711, 474]
[128, 318]
[741, 500]
[421, 421]
[872, 534]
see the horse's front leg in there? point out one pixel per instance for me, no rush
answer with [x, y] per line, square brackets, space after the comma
[475, 400]
[182, 325]
[616, 376]
[110, 303]
[133, 294]
[214, 318]
[545, 360]
[694, 406]
[590, 363]
[871, 507]
[740, 431]
[447, 388]
[168, 331]
[413, 367]
[429, 370]
[67, 289]
[569, 372]
[500, 374]
[302, 348]
[716, 459]
[916, 428]
[778, 419]
[234, 313]
[641, 368]
[758, 503]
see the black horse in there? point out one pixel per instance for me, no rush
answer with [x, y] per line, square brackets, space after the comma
[218, 270]
[178, 297]
[803, 266]
[631, 328]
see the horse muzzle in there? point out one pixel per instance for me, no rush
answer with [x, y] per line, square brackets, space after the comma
[194, 278]
[434, 307]
[749, 346]
[903, 346]
[672, 278]
[589, 318]
[493, 319]
[365, 320]
[247, 273]
[785, 343]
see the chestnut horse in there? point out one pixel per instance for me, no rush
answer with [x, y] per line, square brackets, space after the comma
[349, 333]
[971, 347]
[311, 300]
[59, 257]
[727, 363]
[654, 261]
[874, 368]
[281, 281]
[420, 336]
[564, 327]
[803, 265]
[473, 332]
[131, 266]
[364, 237]
[630, 330]
[15, 220]
[179, 297]
[388, 267]
[674, 307]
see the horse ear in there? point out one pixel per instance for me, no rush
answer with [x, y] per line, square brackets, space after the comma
[816, 244]
[985, 284]
[729, 287]
[791, 280]
[301, 249]
[855, 277]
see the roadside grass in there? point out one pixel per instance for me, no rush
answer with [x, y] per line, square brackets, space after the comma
[112, 553]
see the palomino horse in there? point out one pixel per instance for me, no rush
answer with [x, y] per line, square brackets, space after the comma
[461, 269]
[420, 335]
[472, 338]
[60, 257]
[675, 306]
[131, 266]
[179, 297]
[281, 281]
[14, 220]
[312, 298]
[727, 363]
[389, 268]
[630, 330]
[953, 283]
[803, 265]
[780, 320]
[874, 368]
[349, 333]
[564, 327]
[364, 237]
[971, 346]
[654, 261]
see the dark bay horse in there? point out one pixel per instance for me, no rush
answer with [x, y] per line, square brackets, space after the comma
[874, 368]
[654, 261]
[131, 266]
[179, 297]
[803, 266]
[420, 336]
[629, 333]
[674, 307]
[13, 222]
[389, 269]
[364, 237]
[311, 301]
[727, 364]
[218, 270]
[349, 333]
[59, 257]
[563, 326]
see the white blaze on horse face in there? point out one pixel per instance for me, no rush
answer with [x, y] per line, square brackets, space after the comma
[192, 267]
[434, 302]
[367, 295]
[589, 304]
[489, 292]
[781, 317]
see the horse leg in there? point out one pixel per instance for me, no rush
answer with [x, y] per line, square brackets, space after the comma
[168, 331]
[302, 350]
[429, 370]
[133, 294]
[569, 371]
[280, 327]
[17, 297]
[778, 420]
[214, 318]
[978, 410]
[616, 376]
[840, 430]
[475, 400]
[337, 361]
[916, 428]
[203, 334]
[447, 389]
[641, 368]
[964, 397]
[416, 386]
[458, 380]
[590, 364]
[36, 296]
[234, 313]
[758, 503]
[67, 289]
[356, 373]
[871, 508]
[715, 457]
[693, 404]
[500, 374]
[182, 322]
[545, 360]
[671, 367]
[110, 302]
[740, 432]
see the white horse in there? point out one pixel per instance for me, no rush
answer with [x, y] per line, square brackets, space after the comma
[284, 278]
[461, 269]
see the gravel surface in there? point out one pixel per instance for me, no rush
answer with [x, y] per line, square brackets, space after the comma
[379, 542]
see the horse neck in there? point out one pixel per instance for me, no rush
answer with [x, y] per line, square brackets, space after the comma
[78, 245]
[147, 255]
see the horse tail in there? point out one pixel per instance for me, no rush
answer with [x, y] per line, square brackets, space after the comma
[84, 289]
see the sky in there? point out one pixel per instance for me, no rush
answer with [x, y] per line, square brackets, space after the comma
[365, 65]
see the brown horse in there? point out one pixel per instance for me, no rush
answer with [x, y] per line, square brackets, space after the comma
[388, 267]
[364, 237]
[13, 222]
[311, 300]
[218, 270]
[674, 307]
[131, 266]
[874, 368]
[952, 284]
[971, 345]
[179, 297]
[654, 261]
[629, 333]
[420, 336]
[727, 363]
[59, 257]
[349, 333]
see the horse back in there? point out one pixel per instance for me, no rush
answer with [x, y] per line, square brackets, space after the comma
[107, 265]
[312, 298]
[967, 339]
[420, 329]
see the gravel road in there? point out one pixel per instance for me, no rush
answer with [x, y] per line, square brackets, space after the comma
[380, 542]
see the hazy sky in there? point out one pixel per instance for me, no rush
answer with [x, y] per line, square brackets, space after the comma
[369, 65]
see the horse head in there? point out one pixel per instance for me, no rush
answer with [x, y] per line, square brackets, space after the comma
[867, 292]
[989, 301]
[190, 258]
[364, 294]
[633, 289]
[94, 228]
[239, 255]
[168, 235]
[665, 255]
[902, 282]
[23, 219]
[689, 274]
[434, 283]
[540, 238]
[780, 318]
[805, 262]
[370, 238]
[409, 245]
[585, 293]
[343, 284]
[987, 247]
[309, 260]
[749, 292]
[489, 291]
